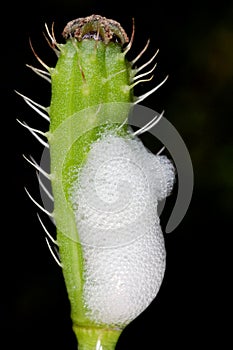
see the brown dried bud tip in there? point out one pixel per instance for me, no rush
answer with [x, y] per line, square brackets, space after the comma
[96, 27]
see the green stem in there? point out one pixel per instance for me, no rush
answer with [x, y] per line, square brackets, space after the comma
[96, 338]
[90, 89]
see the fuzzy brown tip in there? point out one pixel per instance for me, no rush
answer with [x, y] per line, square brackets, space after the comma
[96, 27]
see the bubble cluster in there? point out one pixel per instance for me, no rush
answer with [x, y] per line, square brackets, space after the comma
[115, 199]
[121, 282]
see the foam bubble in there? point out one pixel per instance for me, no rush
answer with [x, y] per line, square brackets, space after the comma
[115, 199]
[121, 282]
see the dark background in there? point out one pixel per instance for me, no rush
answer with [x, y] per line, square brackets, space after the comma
[193, 306]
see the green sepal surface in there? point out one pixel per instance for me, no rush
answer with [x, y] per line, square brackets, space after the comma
[88, 73]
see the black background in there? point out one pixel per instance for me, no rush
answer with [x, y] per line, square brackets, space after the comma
[196, 50]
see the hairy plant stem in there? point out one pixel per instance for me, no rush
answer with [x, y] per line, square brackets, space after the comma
[88, 73]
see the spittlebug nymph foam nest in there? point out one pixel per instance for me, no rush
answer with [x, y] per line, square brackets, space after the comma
[115, 199]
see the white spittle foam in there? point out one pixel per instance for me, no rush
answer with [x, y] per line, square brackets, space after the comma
[115, 199]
